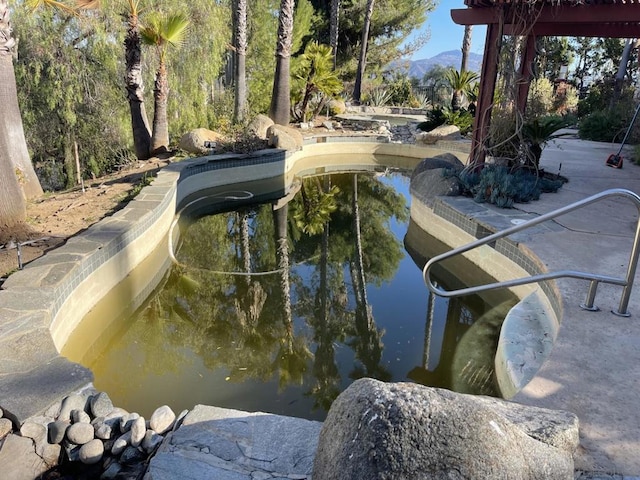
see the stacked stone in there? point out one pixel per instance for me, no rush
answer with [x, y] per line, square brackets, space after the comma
[88, 429]
[404, 133]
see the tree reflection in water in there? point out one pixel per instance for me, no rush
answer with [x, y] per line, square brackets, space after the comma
[278, 307]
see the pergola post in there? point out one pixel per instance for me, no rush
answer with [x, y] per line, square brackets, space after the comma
[488, 77]
[596, 18]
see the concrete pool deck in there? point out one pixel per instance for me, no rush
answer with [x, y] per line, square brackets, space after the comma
[594, 367]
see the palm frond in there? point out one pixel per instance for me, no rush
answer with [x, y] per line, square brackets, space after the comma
[35, 4]
[88, 4]
[161, 30]
[175, 29]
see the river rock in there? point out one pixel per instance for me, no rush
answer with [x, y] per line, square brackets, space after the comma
[131, 455]
[103, 430]
[138, 430]
[150, 441]
[69, 403]
[121, 443]
[117, 412]
[80, 416]
[162, 419]
[80, 433]
[101, 405]
[72, 450]
[91, 452]
[5, 427]
[57, 431]
[403, 430]
[127, 420]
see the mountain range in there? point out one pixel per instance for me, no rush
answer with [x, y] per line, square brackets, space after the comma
[451, 58]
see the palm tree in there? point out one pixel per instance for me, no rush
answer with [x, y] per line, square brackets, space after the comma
[133, 83]
[314, 75]
[161, 32]
[133, 76]
[17, 167]
[280, 97]
[362, 60]
[466, 46]
[461, 83]
[240, 53]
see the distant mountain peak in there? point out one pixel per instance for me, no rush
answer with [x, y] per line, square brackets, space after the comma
[450, 58]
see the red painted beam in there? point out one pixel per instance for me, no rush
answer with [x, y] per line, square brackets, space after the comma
[488, 76]
[585, 14]
[599, 30]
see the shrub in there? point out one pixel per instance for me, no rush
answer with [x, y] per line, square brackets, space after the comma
[540, 101]
[400, 91]
[461, 118]
[435, 119]
[603, 126]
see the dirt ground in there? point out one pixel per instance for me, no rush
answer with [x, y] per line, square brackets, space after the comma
[55, 217]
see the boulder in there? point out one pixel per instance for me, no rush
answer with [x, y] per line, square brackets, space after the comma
[285, 138]
[432, 178]
[337, 107]
[200, 141]
[443, 132]
[258, 127]
[444, 160]
[379, 430]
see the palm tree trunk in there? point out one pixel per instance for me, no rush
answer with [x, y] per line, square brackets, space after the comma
[466, 47]
[280, 99]
[160, 137]
[11, 130]
[282, 255]
[362, 61]
[334, 24]
[240, 43]
[12, 204]
[135, 89]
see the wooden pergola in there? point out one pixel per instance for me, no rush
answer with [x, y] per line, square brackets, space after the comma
[532, 19]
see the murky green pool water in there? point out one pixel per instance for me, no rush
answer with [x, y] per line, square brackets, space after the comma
[280, 309]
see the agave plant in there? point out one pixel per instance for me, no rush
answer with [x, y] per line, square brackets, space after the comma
[379, 97]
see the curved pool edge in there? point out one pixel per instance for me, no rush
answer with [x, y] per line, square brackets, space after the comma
[42, 304]
[531, 327]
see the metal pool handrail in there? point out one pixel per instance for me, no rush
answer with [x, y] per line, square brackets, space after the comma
[626, 282]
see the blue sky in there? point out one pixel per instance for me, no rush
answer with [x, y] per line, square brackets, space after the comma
[446, 35]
